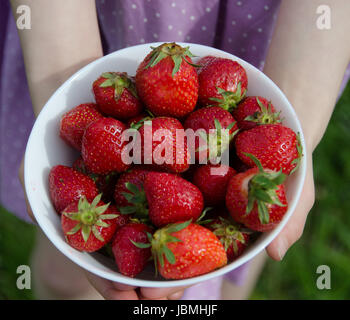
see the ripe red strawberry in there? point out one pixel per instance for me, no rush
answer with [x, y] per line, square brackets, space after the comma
[171, 198]
[184, 250]
[212, 181]
[203, 62]
[253, 111]
[130, 259]
[102, 146]
[212, 120]
[222, 82]
[276, 146]
[74, 122]
[67, 185]
[105, 183]
[231, 235]
[89, 226]
[116, 95]
[79, 165]
[256, 198]
[136, 176]
[161, 145]
[167, 81]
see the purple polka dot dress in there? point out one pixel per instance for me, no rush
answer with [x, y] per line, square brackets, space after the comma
[243, 28]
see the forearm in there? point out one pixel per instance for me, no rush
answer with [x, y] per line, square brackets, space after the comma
[63, 38]
[308, 64]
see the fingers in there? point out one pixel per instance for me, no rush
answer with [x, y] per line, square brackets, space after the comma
[295, 226]
[112, 290]
[157, 293]
[122, 287]
[117, 291]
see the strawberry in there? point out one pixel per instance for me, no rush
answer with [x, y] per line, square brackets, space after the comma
[276, 146]
[89, 226]
[204, 61]
[102, 147]
[116, 95]
[184, 250]
[231, 235]
[222, 82]
[253, 111]
[167, 81]
[212, 120]
[256, 198]
[212, 181]
[161, 145]
[74, 122]
[136, 176]
[130, 259]
[171, 198]
[79, 165]
[105, 183]
[164, 198]
[67, 185]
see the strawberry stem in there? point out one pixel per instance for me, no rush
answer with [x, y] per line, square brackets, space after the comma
[119, 81]
[177, 53]
[300, 154]
[89, 216]
[229, 99]
[158, 243]
[228, 232]
[262, 190]
[137, 198]
[265, 116]
[218, 141]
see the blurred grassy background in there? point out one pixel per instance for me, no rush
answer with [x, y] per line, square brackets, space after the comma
[326, 239]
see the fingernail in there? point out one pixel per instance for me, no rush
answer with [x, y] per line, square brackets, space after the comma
[282, 248]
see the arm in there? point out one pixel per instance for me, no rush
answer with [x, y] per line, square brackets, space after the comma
[63, 38]
[308, 65]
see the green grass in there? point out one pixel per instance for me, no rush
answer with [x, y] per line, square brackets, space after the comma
[326, 239]
[16, 242]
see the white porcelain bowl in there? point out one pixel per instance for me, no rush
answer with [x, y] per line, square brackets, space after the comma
[45, 149]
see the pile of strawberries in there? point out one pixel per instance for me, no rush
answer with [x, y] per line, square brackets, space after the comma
[190, 217]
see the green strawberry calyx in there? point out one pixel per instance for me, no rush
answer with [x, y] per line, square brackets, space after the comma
[297, 160]
[177, 53]
[229, 99]
[202, 215]
[89, 216]
[265, 116]
[137, 198]
[228, 233]
[159, 240]
[217, 142]
[119, 81]
[139, 124]
[262, 190]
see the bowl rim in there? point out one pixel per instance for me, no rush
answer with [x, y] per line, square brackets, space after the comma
[117, 277]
